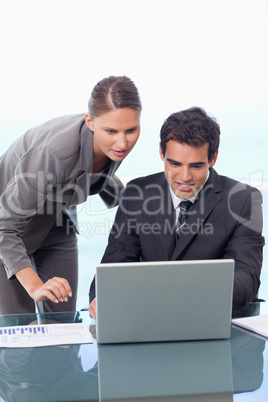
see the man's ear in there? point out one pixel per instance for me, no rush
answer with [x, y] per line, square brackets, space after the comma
[161, 153]
[89, 122]
[214, 159]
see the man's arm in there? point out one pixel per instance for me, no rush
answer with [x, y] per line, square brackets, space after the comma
[123, 243]
[245, 247]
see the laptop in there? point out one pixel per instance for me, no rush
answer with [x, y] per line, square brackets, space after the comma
[160, 301]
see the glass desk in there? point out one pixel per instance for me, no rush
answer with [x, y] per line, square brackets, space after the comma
[219, 370]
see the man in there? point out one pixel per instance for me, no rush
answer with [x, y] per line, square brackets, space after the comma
[224, 219]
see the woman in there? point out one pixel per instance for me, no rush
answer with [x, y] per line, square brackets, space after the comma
[44, 175]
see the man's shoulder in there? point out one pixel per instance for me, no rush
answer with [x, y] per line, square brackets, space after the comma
[147, 182]
[142, 181]
[238, 185]
[227, 183]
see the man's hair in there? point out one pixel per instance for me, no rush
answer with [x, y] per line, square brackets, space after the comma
[113, 93]
[192, 127]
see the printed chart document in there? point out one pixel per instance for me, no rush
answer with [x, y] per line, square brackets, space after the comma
[28, 336]
[257, 324]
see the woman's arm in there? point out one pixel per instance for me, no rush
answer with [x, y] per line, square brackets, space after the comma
[55, 289]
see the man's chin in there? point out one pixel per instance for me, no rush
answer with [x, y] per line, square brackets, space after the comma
[183, 194]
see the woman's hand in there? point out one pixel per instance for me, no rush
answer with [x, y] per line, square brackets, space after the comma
[55, 289]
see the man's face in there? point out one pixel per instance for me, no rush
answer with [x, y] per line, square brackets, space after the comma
[186, 167]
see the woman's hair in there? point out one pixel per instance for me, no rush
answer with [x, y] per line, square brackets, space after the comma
[192, 127]
[113, 93]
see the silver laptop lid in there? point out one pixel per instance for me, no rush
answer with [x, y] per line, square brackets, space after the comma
[164, 301]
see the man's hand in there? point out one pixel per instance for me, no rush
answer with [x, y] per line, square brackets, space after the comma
[92, 330]
[92, 308]
[55, 289]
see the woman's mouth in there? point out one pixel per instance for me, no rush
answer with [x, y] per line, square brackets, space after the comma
[119, 153]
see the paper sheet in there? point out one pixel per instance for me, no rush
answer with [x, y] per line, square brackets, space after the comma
[28, 336]
[257, 324]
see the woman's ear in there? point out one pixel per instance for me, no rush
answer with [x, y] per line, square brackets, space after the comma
[89, 122]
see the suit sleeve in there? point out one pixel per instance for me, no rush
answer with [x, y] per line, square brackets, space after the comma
[23, 197]
[112, 192]
[245, 247]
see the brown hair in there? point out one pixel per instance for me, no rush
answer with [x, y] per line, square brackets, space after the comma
[113, 93]
[192, 127]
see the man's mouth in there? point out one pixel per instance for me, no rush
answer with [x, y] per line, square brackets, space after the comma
[185, 187]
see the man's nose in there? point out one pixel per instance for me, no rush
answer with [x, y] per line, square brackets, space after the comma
[185, 174]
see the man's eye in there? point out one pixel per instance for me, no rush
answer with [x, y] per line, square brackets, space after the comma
[110, 131]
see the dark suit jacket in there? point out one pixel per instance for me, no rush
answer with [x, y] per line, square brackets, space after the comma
[224, 222]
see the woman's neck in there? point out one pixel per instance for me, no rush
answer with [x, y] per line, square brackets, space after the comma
[100, 163]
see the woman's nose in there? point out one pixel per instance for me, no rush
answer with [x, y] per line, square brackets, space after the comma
[121, 141]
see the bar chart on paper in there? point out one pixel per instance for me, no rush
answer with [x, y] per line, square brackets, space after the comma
[44, 335]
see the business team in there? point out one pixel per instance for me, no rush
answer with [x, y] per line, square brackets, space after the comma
[57, 165]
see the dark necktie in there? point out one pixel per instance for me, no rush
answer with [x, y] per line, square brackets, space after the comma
[184, 208]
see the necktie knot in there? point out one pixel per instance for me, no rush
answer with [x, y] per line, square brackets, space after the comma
[184, 208]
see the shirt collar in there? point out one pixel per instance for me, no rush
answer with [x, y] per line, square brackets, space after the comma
[176, 200]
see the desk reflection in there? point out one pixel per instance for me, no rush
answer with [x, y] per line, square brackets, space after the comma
[51, 373]
[181, 371]
[46, 374]
[166, 371]
[247, 361]
[169, 371]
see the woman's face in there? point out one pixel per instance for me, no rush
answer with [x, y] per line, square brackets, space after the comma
[115, 133]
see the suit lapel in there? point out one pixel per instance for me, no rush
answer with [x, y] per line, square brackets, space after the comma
[207, 199]
[161, 201]
[83, 182]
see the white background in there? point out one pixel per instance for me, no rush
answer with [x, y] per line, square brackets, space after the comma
[209, 53]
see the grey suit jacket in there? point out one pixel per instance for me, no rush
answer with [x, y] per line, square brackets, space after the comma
[224, 222]
[45, 171]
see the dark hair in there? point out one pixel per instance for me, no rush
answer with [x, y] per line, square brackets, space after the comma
[113, 93]
[192, 127]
